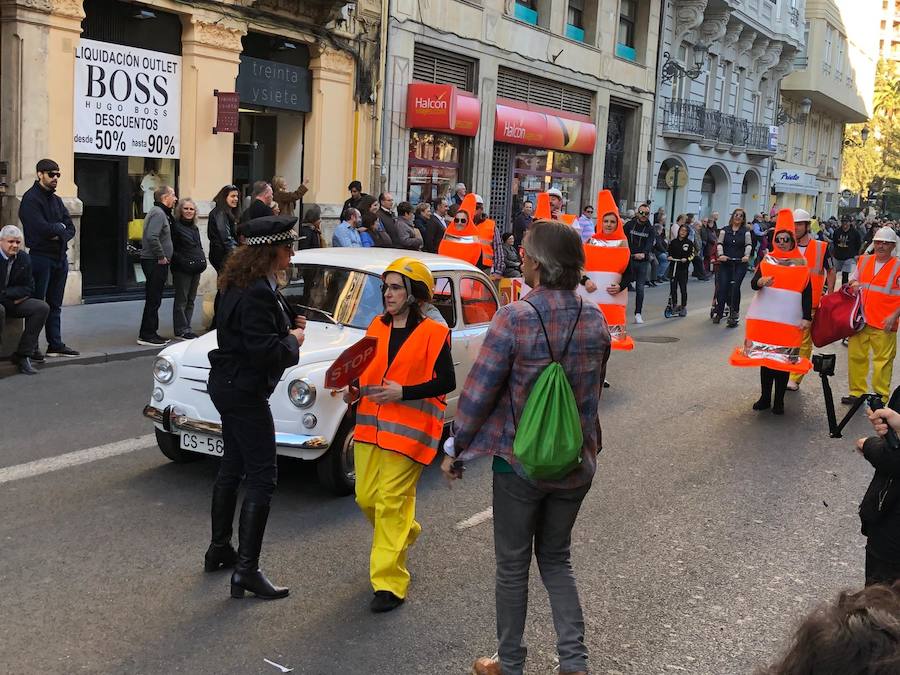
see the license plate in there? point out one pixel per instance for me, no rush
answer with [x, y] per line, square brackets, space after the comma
[209, 445]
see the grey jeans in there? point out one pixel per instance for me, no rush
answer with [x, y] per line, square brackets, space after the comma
[185, 291]
[524, 514]
[35, 313]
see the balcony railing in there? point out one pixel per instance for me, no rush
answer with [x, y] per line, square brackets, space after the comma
[691, 119]
[794, 13]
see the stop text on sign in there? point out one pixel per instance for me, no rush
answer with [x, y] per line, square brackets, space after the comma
[127, 101]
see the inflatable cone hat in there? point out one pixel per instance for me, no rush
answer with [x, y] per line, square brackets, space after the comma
[607, 204]
[542, 208]
[784, 224]
[469, 229]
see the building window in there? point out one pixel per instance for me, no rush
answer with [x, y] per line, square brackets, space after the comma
[434, 166]
[829, 40]
[839, 60]
[625, 40]
[518, 86]
[527, 11]
[439, 66]
[575, 20]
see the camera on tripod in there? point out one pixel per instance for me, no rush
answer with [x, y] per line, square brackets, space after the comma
[824, 365]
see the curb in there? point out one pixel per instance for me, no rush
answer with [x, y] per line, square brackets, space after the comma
[86, 359]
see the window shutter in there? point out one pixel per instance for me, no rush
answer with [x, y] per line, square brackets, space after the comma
[519, 86]
[440, 67]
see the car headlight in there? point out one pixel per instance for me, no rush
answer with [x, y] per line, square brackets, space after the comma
[163, 369]
[302, 393]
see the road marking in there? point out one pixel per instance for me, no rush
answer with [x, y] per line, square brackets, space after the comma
[40, 466]
[477, 519]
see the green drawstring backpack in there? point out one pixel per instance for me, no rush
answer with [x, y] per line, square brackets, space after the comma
[548, 438]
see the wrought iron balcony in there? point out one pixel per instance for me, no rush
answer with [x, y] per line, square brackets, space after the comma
[795, 16]
[693, 121]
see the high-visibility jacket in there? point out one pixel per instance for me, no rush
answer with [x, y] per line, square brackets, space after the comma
[773, 333]
[486, 238]
[815, 260]
[412, 428]
[463, 243]
[604, 263]
[880, 292]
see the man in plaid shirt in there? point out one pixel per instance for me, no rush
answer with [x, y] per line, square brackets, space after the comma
[528, 513]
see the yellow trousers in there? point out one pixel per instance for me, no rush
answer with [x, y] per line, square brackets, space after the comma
[883, 346]
[806, 348]
[386, 493]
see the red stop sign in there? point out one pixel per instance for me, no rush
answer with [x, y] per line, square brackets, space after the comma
[351, 363]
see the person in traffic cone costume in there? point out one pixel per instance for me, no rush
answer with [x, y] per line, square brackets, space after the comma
[816, 254]
[399, 422]
[606, 256]
[877, 277]
[549, 207]
[461, 238]
[779, 313]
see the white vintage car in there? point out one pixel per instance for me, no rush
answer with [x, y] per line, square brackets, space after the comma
[339, 291]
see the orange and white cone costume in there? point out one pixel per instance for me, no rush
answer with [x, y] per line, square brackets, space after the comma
[463, 242]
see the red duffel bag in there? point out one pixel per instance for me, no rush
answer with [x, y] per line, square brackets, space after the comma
[839, 316]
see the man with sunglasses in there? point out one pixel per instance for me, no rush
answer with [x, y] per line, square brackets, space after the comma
[585, 223]
[48, 230]
[640, 234]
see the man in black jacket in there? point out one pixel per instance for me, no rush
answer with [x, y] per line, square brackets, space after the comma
[261, 205]
[16, 296]
[48, 230]
[640, 235]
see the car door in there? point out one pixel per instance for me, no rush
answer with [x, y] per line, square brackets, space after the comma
[477, 305]
[445, 299]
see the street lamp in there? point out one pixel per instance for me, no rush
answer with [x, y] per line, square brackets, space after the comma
[672, 70]
[864, 136]
[784, 117]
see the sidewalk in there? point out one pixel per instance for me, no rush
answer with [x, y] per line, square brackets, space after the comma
[107, 331]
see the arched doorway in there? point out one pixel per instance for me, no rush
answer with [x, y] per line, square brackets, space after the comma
[750, 195]
[666, 196]
[714, 192]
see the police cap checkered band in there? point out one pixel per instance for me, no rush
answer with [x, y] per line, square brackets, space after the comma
[270, 238]
[269, 230]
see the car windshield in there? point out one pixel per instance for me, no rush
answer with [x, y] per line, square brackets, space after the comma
[349, 297]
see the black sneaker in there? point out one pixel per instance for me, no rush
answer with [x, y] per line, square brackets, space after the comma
[385, 601]
[189, 336]
[849, 400]
[37, 356]
[152, 341]
[62, 350]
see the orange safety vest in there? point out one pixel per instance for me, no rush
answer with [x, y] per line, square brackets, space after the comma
[773, 334]
[604, 264]
[881, 295]
[486, 238]
[411, 428]
[815, 260]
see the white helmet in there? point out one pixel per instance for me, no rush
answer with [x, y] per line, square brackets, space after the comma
[801, 215]
[886, 234]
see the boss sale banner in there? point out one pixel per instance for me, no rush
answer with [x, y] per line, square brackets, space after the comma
[127, 101]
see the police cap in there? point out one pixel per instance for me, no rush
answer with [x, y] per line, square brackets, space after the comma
[269, 230]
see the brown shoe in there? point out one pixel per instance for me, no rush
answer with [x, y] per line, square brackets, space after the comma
[486, 665]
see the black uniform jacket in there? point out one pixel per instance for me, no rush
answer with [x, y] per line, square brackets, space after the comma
[880, 507]
[255, 345]
[21, 283]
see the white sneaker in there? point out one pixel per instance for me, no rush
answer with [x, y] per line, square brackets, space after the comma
[638, 318]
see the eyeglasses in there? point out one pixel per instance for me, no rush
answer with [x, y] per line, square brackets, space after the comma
[783, 240]
[53, 174]
[589, 211]
[643, 213]
[461, 221]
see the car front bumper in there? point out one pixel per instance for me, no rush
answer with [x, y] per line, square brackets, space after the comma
[174, 422]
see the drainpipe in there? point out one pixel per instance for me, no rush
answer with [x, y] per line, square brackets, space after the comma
[382, 120]
[651, 160]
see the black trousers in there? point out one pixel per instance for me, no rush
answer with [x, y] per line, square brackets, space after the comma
[35, 313]
[248, 432]
[679, 281]
[879, 570]
[730, 272]
[778, 378]
[156, 276]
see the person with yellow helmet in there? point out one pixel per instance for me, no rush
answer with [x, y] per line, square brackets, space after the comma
[399, 422]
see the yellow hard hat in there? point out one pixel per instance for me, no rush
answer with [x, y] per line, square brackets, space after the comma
[414, 270]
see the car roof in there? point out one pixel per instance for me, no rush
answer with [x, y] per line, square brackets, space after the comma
[376, 260]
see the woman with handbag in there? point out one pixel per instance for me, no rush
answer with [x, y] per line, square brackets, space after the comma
[188, 263]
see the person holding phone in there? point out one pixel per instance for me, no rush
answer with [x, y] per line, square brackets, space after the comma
[879, 511]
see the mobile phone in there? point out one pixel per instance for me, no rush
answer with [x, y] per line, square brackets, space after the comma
[875, 403]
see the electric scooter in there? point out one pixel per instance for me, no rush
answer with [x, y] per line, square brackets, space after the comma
[669, 311]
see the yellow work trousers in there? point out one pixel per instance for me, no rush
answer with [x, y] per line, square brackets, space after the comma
[386, 493]
[883, 346]
[806, 347]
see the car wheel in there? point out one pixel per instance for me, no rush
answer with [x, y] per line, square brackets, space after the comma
[336, 468]
[168, 445]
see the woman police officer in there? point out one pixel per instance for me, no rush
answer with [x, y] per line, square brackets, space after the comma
[259, 336]
[399, 422]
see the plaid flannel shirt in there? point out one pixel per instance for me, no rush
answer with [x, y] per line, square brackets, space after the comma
[512, 357]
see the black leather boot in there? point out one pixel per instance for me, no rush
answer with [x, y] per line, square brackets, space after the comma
[221, 553]
[23, 365]
[247, 575]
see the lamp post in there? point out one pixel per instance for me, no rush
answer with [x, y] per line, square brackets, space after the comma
[672, 70]
[863, 135]
[783, 117]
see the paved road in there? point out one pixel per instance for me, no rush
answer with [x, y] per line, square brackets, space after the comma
[709, 530]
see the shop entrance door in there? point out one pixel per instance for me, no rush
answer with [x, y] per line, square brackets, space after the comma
[99, 182]
[254, 150]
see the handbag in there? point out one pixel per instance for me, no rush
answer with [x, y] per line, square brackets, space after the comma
[135, 225]
[839, 316]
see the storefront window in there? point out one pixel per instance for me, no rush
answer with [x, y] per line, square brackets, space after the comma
[434, 163]
[537, 170]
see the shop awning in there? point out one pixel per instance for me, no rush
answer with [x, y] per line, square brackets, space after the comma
[539, 129]
[442, 107]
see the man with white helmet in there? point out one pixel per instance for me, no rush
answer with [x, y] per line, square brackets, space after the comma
[877, 277]
[817, 260]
